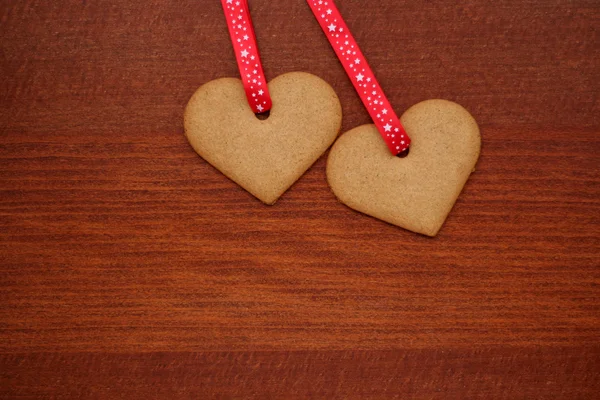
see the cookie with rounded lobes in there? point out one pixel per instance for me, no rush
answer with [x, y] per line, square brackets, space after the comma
[416, 192]
[265, 157]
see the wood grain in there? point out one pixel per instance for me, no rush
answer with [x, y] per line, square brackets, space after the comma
[424, 374]
[129, 267]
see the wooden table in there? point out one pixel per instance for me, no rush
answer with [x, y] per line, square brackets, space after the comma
[130, 268]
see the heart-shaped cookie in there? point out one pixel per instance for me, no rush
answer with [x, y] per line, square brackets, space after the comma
[265, 157]
[416, 192]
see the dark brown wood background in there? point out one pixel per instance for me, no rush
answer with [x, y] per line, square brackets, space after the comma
[130, 268]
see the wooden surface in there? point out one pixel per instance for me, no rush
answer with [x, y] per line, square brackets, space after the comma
[129, 268]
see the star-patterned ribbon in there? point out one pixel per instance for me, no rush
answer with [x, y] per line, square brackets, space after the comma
[360, 74]
[243, 38]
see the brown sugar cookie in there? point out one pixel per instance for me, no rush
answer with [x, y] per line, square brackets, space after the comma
[416, 192]
[265, 157]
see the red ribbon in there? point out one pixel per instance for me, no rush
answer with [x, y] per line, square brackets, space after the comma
[243, 38]
[360, 74]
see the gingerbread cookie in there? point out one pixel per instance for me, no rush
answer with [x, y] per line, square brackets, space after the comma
[416, 192]
[265, 157]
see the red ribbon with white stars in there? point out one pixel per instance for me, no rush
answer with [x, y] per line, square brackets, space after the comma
[360, 74]
[246, 53]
